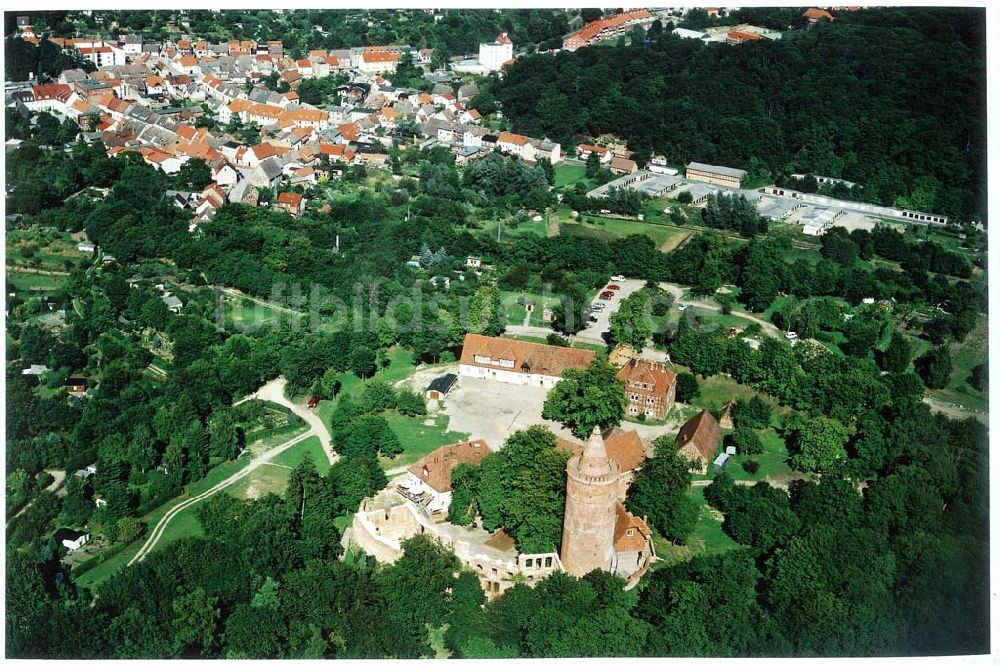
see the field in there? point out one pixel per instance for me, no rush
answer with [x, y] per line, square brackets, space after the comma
[515, 312]
[568, 174]
[46, 250]
[706, 538]
[27, 281]
[716, 390]
[772, 460]
[964, 356]
[311, 447]
[613, 228]
[183, 524]
[419, 435]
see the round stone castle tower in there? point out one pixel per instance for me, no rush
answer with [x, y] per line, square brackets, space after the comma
[591, 498]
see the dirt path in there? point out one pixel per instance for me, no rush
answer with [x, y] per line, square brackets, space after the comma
[161, 526]
[955, 411]
[274, 391]
[236, 293]
[38, 271]
[674, 242]
[553, 226]
[57, 487]
[678, 294]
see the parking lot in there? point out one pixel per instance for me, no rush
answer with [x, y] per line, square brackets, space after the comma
[594, 332]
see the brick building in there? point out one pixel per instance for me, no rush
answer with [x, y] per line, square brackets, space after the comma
[649, 386]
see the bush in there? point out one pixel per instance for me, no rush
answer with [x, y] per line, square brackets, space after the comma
[752, 414]
[751, 466]
[409, 403]
[687, 387]
[128, 529]
[746, 441]
[555, 339]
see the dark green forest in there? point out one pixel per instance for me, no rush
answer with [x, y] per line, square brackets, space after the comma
[893, 100]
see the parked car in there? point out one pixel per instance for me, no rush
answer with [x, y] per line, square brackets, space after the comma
[597, 307]
[682, 307]
[607, 295]
[613, 287]
[618, 278]
[791, 335]
[592, 319]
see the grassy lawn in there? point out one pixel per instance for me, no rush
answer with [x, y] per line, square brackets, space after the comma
[706, 538]
[964, 356]
[400, 366]
[311, 447]
[419, 438]
[528, 228]
[772, 460]
[27, 281]
[568, 174]
[266, 479]
[242, 314]
[716, 390]
[611, 229]
[183, 524]
[515, 312]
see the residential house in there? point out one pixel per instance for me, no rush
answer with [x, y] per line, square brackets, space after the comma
[622, 166]
[71, 539]
[292, 203]
[607, 28]
[375, 61]
[584, 151]
[266, 174]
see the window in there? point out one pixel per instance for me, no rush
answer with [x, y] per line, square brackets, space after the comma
[506, 363]
[548, 562]
[482, 359]
[630, 533]
[529, 562]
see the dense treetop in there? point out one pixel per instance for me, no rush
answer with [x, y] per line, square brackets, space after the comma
[893, 100]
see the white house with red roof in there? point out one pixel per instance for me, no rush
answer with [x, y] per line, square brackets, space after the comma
[493, 55]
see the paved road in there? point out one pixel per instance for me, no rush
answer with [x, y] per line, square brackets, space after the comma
[161, 526]
[274, 391]
[594, 332]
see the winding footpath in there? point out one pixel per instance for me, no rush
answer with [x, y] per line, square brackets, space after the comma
[273, 391]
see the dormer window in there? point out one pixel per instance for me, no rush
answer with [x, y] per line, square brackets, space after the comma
[630, 533]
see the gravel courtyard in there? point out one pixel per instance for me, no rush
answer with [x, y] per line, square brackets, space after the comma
[492, 411]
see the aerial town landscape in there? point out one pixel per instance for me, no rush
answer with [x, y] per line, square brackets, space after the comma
[496, 333]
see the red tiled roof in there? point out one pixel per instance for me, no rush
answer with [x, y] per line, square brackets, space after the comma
[624, 521]
[815, 14]
[509, 137]
[648, 373]
[527, 357]
[289, 199]
[435, 469]
[702, 434]
[372, 55]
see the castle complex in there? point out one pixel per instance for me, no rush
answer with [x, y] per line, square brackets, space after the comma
[597, 530]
